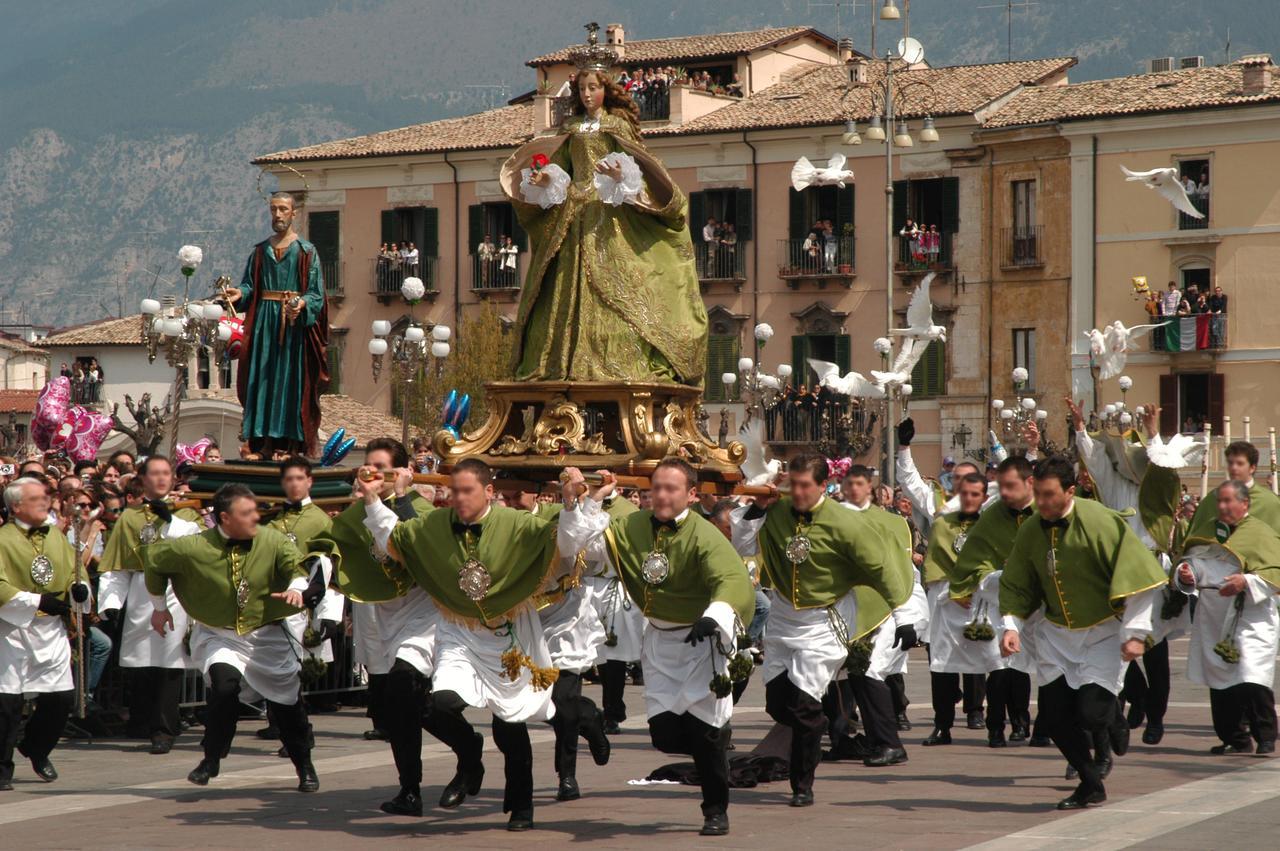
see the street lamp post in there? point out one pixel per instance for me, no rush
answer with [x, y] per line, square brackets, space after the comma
[410, 354]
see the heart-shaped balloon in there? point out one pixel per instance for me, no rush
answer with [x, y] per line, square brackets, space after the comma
[51, 412]
[84, 432]
[192, 453]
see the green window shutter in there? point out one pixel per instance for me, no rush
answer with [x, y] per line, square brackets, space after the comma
[842, 353]
[929, 376]
[798, 215]
[844, 208]
[431, 230]
[949, 210]
[900, 188]
[334, 354]
[742, 214]
[475, 227]
[722, 357]
[390, 226]
[322, 231]
[799, 359]
[697, 218]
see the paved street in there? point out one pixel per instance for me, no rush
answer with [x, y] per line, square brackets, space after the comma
[110, 795]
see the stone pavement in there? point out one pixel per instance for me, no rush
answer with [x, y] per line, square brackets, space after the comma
[111, 795]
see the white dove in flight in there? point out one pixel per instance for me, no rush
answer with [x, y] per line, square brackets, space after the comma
[1117, 341]
[754, 467]
[918, 334]
[1166, 182]
[1181, 450]
[805, 173]
[853, 384]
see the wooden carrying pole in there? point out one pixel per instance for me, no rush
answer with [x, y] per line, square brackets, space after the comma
[644, 483]
[1275, 481]
[1204, 465]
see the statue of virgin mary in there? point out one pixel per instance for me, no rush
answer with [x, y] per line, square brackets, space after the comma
[612, 291]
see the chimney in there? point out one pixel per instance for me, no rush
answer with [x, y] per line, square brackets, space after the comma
[1256, 74]
[846, 49]
[616, 37]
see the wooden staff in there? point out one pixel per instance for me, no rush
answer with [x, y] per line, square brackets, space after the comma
[595, 480]
[644, 483]
[179, 504]
[437, 479]
[1275, 481]
[1204, 465]
[78, 624]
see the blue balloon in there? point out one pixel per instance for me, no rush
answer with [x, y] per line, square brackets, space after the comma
[341, 451]
[450, 402]
[331, 444]
[464, 408]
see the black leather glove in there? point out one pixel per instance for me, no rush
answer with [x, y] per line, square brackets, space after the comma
[79, 592]
[52, 604]
[905, 637]
[328, 629]
[404, 508]
[906, 431]
[314, 592]
[703, 628]
[107, 617]
[160, 509]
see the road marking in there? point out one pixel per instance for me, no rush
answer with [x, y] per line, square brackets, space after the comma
[1149, 816]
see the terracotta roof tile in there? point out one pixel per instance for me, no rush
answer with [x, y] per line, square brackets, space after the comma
[1171, 91]
[819, 96]
[126, 331]
[18, 345]
[360, 420]
[690, 47]
[22, 401]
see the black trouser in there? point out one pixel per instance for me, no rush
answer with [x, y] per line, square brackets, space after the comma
[1231, 707]
[613, 679]
[788, 705]
[404, 714]
[876, 705]
[153, 700]
[838, 705]
[1075, 719]
[1152, 691]
[449, 726]
[223, 702]
[685, 734]
[377, 705]
[975, 690]
[944, 690]
[575, 716]
[897, 684]
[1008, 697]
[1019, 702]
[1039, 729]
[43, 729]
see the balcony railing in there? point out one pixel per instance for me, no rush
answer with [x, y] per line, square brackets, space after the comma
[1200, 332]
[929, 251]
[654, 102]
[1021, 247]
[561, 109]
[816, 258]
[86, 392]
[332, 272]
[1201, 203]
[497, 273]
[389, 275]
[720, 262]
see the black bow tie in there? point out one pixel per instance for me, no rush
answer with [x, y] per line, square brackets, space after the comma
[460, 528]
[663, 524]
[1060, 523]
[292, 506]
[37, 531]
[968, 518]
[239, 543]
[803, 516]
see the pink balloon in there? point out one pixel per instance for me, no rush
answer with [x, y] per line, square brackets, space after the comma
[51, 411]
[84, 432]
[192, 453]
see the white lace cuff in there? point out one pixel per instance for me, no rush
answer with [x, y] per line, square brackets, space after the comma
[551, 195]
[617, 192]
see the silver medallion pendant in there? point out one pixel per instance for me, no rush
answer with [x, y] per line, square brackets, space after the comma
[474, 579]
[958, 543]
[148, 534]
[656, 568]
[242, 593]
[798, 548]
[41, 570]
[1051, 562]
[293, 539]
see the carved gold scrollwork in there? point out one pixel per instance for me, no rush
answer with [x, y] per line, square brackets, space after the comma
[651, 444]
[560, 429]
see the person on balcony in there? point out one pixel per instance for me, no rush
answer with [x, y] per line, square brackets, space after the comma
[508, 251]
[932, 244]
[830, 246]
[728, 251]
[409, 255]
[487, 256]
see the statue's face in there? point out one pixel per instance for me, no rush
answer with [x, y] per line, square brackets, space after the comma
[591, 91]
[282, 213]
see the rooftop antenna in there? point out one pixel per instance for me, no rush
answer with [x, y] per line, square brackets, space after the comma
[852, 6]
[1009, 6]
[1227, 60]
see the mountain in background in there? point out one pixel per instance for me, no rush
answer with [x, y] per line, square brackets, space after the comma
[126, 127]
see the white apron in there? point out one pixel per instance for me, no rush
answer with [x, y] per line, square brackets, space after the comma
[573, 631]
[1255, 634]
[469, 662]
[140, 645]
[267, 658]
[803, 644]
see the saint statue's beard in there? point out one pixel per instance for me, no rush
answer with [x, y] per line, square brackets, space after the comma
[280, 227]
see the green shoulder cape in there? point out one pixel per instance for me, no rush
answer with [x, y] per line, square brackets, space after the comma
[301, 526]
[358, 573]
[1263, 505]
[123, 549]
[1255, 545]
[940, 557]
[985, 549]
[17, 552]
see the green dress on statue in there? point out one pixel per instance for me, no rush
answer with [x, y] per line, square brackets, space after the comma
[612, 292]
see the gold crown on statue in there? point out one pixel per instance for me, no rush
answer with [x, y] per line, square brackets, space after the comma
[592, 56]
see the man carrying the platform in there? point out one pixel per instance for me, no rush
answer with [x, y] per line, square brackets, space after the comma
[238, 583]
[1080, 561]
[1236, 575]
[697, 597]
[482, 564]
[157, 661]
[37, 588]
[1242, 466]
[394, 622]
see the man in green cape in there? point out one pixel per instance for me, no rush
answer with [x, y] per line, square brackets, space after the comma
[239, 582]
[1236, 575]
[37, 588]
[1242, 466]
[1082, 563]
[693, 588]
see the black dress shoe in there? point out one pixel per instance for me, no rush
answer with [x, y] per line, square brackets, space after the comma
[520, 821]
[715, 825]
[937, 737]
[269, 732]
[1227, 750]
[997, 740]
[1119, 735]
[1103, 766]
[904, 723]
[307, 779]
[1080, 799]
[42, 767]
[802, 799]
[375, 735]
[161, 745]
[976, 721]
[1135, 716]
[6, 786]
[407, 803]
[1153, 734]
[1266, 747]
[1018, 733]
[611, 728]
[886, 756]
[282, 752]
[201, 773]
[597, 741]
[465, 782]
[1039, 742]
[568, 790]
[848, 747]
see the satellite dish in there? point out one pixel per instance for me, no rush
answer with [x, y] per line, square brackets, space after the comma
[911, 51]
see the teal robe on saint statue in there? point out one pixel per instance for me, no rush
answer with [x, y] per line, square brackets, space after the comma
[281, 375]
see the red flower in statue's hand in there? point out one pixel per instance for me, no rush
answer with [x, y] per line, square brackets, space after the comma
[540, 162]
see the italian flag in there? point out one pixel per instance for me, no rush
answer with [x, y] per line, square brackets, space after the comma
[1186, 333]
